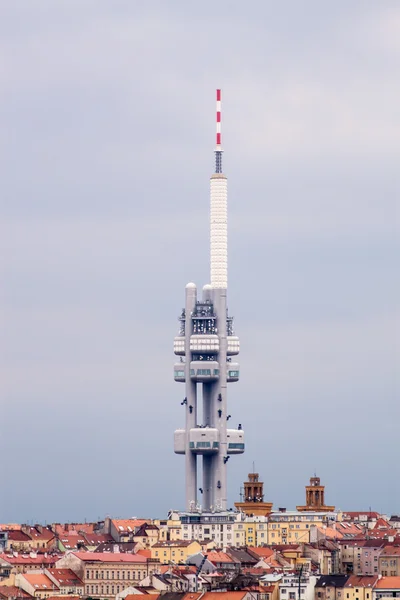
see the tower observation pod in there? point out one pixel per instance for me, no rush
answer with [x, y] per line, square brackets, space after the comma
[205, 346]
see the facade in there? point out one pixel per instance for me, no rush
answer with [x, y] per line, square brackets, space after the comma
[330, 587]
[205, 345]
[250, 531]
[174, 552]
[290, 527]
[215, 527]
[106, 574]
[297, 586]
[389, 561]
[370, 553]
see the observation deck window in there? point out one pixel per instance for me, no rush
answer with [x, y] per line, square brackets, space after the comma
[203, 445]
[238, 446]
[179, 373]
[233, 373]
[203, 371]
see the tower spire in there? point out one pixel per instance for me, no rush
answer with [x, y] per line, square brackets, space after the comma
[218, 149]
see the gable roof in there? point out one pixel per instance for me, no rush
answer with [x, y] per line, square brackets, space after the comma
[110, 557]
[65, 577]
[39, 581]
[361, 581]
[332, 581]
[11, 591]
[388, 583]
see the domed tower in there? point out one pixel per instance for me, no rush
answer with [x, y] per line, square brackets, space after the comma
[206, 345]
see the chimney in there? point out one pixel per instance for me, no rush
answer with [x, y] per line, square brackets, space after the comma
[66, 527]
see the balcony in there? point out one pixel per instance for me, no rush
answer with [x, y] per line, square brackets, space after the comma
[235, 440]
[204, 440]
[233, 345]
[179, 345]
[206, 343]
[179, 372]
[204, 371]
[233, 371]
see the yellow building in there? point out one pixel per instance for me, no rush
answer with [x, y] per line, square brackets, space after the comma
[360, 588]
[250, 531]
[292, 527]
[169, 529]
[174, 551]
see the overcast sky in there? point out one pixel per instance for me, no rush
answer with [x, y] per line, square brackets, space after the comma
[106, 148]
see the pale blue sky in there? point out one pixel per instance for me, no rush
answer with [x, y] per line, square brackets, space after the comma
[106, 148]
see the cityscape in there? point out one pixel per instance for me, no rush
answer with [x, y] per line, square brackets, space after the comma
[253, 552]
[200, 382]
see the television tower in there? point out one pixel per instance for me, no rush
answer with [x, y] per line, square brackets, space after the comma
[205, 344]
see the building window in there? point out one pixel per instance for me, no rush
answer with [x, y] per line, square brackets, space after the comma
[97, 574]
[87, 574]
[128, 575]
[112, 574]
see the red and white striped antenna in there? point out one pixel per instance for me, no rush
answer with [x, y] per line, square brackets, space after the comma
[218, 150]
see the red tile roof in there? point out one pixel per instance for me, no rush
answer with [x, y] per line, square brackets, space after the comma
[260, 551]
[219, 557]
[388, 583]
[11, 591]
[39, 533]
[365, 581]
[72, 541]
[27, 559]
[144, 552]
[110, 557]
[128, 525]
[16, 535]
[65, 577]
[391, 551]
[382, 524]
[39, 581]
[224, 595]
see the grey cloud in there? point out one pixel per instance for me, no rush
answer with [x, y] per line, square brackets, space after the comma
[107, 119]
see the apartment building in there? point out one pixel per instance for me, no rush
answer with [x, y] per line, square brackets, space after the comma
[107, 574]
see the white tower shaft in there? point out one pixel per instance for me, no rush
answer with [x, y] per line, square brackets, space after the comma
[219, 231]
